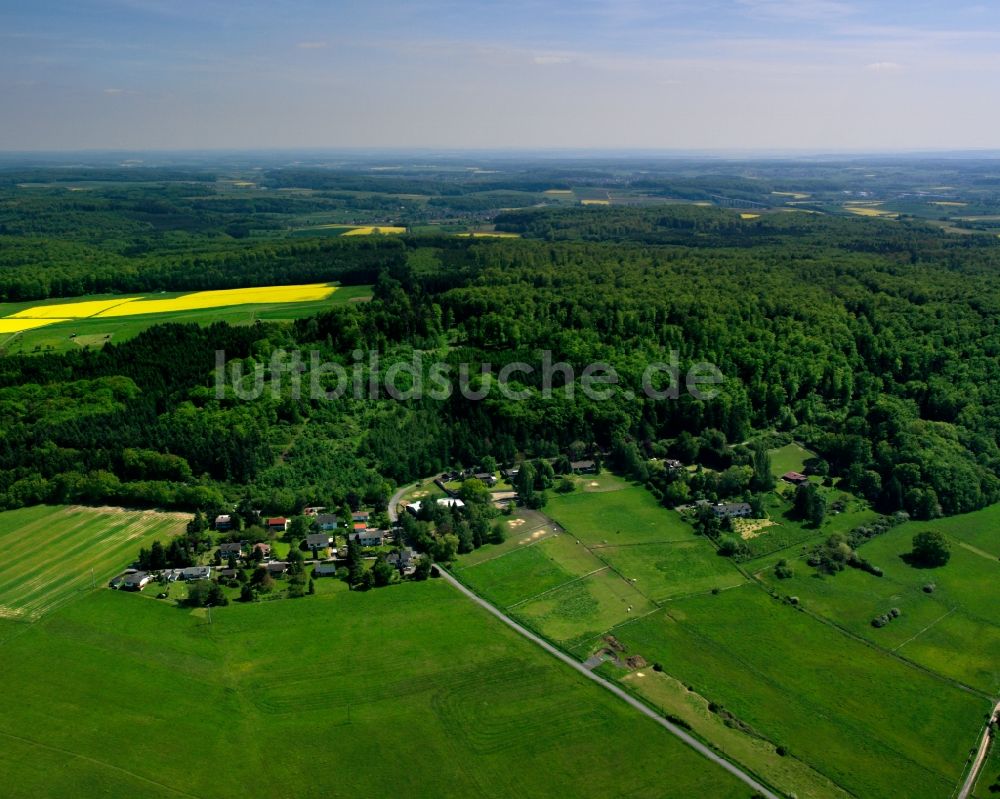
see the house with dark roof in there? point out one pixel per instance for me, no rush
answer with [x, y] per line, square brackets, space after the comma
[486, 477]
[276, 567]
[795, 478]
[223, 522]
[360, 516]
[368, 538]
[136, 581]
[326, 521]
[318, 540]
[325, 570]
[234, 548]
[731, 510]
[583, 467]
[196, 573]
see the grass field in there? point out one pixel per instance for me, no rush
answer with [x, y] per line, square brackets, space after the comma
[409, 691]
[114, 324]
[873, 725]
[668, 571]
[955, 630]
[789, 458]
[620, 514]
[49, 552]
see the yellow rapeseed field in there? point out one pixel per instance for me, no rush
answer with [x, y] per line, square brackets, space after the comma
[949, 203]
[369, 229]
[866, 210]
[13, 325]
[70, 310]
[595, 202]
[749, 216]
[218, 299]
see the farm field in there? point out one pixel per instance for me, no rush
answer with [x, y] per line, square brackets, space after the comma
[866, 721]
[493, 715]
[49, 552]
[789, 458]
[955, 630]
[113, 323]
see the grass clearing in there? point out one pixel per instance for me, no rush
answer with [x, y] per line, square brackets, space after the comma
[789, 458]
[493, 715]
[863, 719]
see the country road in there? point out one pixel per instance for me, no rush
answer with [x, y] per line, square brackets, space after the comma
[395, 500]
[977, 764]
[635, 703]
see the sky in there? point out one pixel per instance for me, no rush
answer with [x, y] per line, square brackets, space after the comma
[827, 75]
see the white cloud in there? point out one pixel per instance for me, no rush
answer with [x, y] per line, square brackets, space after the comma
[799, 9]
[884, 66]
[311, 45]
[551, 58]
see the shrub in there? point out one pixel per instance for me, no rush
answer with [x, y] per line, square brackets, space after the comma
[929, 588]
[657, 667]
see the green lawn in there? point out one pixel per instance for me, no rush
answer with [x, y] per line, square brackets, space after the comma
[51, 554]
[789, 458]
[668, 571]
[614, 517]
[410, 691]
[873, 725]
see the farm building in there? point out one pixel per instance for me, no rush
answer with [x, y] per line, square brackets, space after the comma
[451, 502]
[730, 510]
[368, 538]
[136, 581]
[795, 478]
[326, 521]
[223, 522]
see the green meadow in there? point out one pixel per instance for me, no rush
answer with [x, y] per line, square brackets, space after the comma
[118, 694]
[953, 629]
[875, 726]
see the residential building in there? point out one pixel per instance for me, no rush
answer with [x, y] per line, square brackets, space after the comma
[276, 567]
[583, 467]
[277, 524]
[368, 538]
[730, 510]
[234, 548]
[136, 581]
[795, 478]
[325, 570]
[196, 573]
[223, 522]
[318, 540]
[326, 521]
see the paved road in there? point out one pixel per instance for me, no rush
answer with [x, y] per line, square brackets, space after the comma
[396, 499]
[977, 764]
[635, 703]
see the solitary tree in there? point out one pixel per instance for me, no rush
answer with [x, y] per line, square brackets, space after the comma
[930, 549]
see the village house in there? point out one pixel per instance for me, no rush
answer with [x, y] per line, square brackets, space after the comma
[318, 540]
[795, 478]
[276, 567]
[234, 548]
[487, 477]
[360, 516]
[402, 559]
[264, 549]
[672, 464]
[368, 538]
[731, 510]
[136, 581]
[313, 510]
[196, 573]
[326, 521]
[325, 570]
[277, 524]
[223, 523]
[583, 467]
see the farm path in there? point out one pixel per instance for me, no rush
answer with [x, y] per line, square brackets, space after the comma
[625, 697]
[977, 764]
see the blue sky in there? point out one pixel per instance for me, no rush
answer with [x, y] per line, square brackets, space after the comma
[716, 74]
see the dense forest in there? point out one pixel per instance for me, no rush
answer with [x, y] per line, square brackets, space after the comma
[874, 342]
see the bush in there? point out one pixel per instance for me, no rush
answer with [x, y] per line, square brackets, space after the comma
[929, 588]
[657, 667]
[783, 571]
